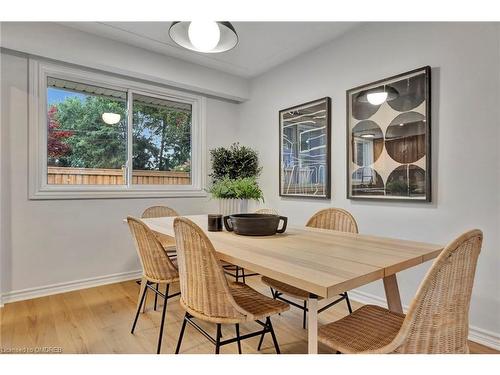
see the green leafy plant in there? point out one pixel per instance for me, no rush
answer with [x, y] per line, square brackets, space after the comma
[240, 188]
[234, 173]
[234, 162]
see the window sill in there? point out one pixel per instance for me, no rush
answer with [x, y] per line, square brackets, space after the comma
[114, 194]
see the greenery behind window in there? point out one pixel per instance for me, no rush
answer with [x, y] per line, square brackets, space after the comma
[79, 138]
[162, 138]
[87, 142]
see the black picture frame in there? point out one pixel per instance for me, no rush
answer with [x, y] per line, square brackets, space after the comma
[325, 188]
[363, 89]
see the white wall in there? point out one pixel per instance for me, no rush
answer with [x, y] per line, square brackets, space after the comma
[52, 242]
[66, 44]
[465, 138]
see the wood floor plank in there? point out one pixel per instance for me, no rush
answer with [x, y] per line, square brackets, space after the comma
[98, 320]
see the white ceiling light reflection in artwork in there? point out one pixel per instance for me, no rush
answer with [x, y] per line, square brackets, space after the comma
[378, 95]
[377, 98]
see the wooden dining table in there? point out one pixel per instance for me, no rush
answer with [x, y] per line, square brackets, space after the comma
[322, 262]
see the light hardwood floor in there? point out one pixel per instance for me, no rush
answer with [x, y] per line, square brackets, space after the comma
[98, 320]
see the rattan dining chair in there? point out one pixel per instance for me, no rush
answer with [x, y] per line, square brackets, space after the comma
[157, 268]
[330, 218]
[167, 242]
[437, 320]
[206, 294]
[162, 211]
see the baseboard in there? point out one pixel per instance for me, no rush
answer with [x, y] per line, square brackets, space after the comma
[484, 337]
[476, 334]
[24, 294]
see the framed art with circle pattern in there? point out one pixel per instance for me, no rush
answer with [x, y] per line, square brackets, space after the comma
[389, 138]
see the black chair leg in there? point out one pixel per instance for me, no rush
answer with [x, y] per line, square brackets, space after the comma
[276, 294]
[304, 317]
[156, 297]
[163, 314]
[272, 293]
[275, 341]
[143, 297]
[348, 303]
[181, 334]
[260, 341]
[217, 340]
[237, 273]
[238, 337]
[243, 274]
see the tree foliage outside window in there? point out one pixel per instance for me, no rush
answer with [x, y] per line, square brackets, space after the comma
[162, 138]
[79, 138]
[93, 143]
[56, 138]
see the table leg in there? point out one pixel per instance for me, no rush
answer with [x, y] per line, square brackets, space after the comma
[312, 326]
[392, 293]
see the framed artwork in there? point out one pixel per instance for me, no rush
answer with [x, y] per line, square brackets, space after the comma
[305, 150]
[389, 138]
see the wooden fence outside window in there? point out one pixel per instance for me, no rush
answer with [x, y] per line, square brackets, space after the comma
[99, 176]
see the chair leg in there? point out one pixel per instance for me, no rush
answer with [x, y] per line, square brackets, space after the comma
[263, 333]
[348, 303]
[156, 298]
[243, 273]
[304, 317]
[164, 312]
[275, 294]
[261, 340]
[142, 301]
[144, 282]
[181, 334]
[275, 341]
[237, 273]
[217, 340]
[238, 337]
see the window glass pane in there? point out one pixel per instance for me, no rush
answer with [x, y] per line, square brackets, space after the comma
[161, 142]
[87, 134]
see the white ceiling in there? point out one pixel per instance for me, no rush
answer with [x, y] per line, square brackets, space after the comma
[262, 45]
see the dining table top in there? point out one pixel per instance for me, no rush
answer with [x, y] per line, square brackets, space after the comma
[322, 262]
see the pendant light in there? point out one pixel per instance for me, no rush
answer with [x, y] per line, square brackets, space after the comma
[204, 36]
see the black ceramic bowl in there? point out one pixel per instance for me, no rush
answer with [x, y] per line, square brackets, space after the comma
[255, 224]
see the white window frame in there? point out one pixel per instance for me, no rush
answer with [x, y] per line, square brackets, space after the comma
[39, 70]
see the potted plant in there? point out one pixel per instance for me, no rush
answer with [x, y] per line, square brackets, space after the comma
[234, 178]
